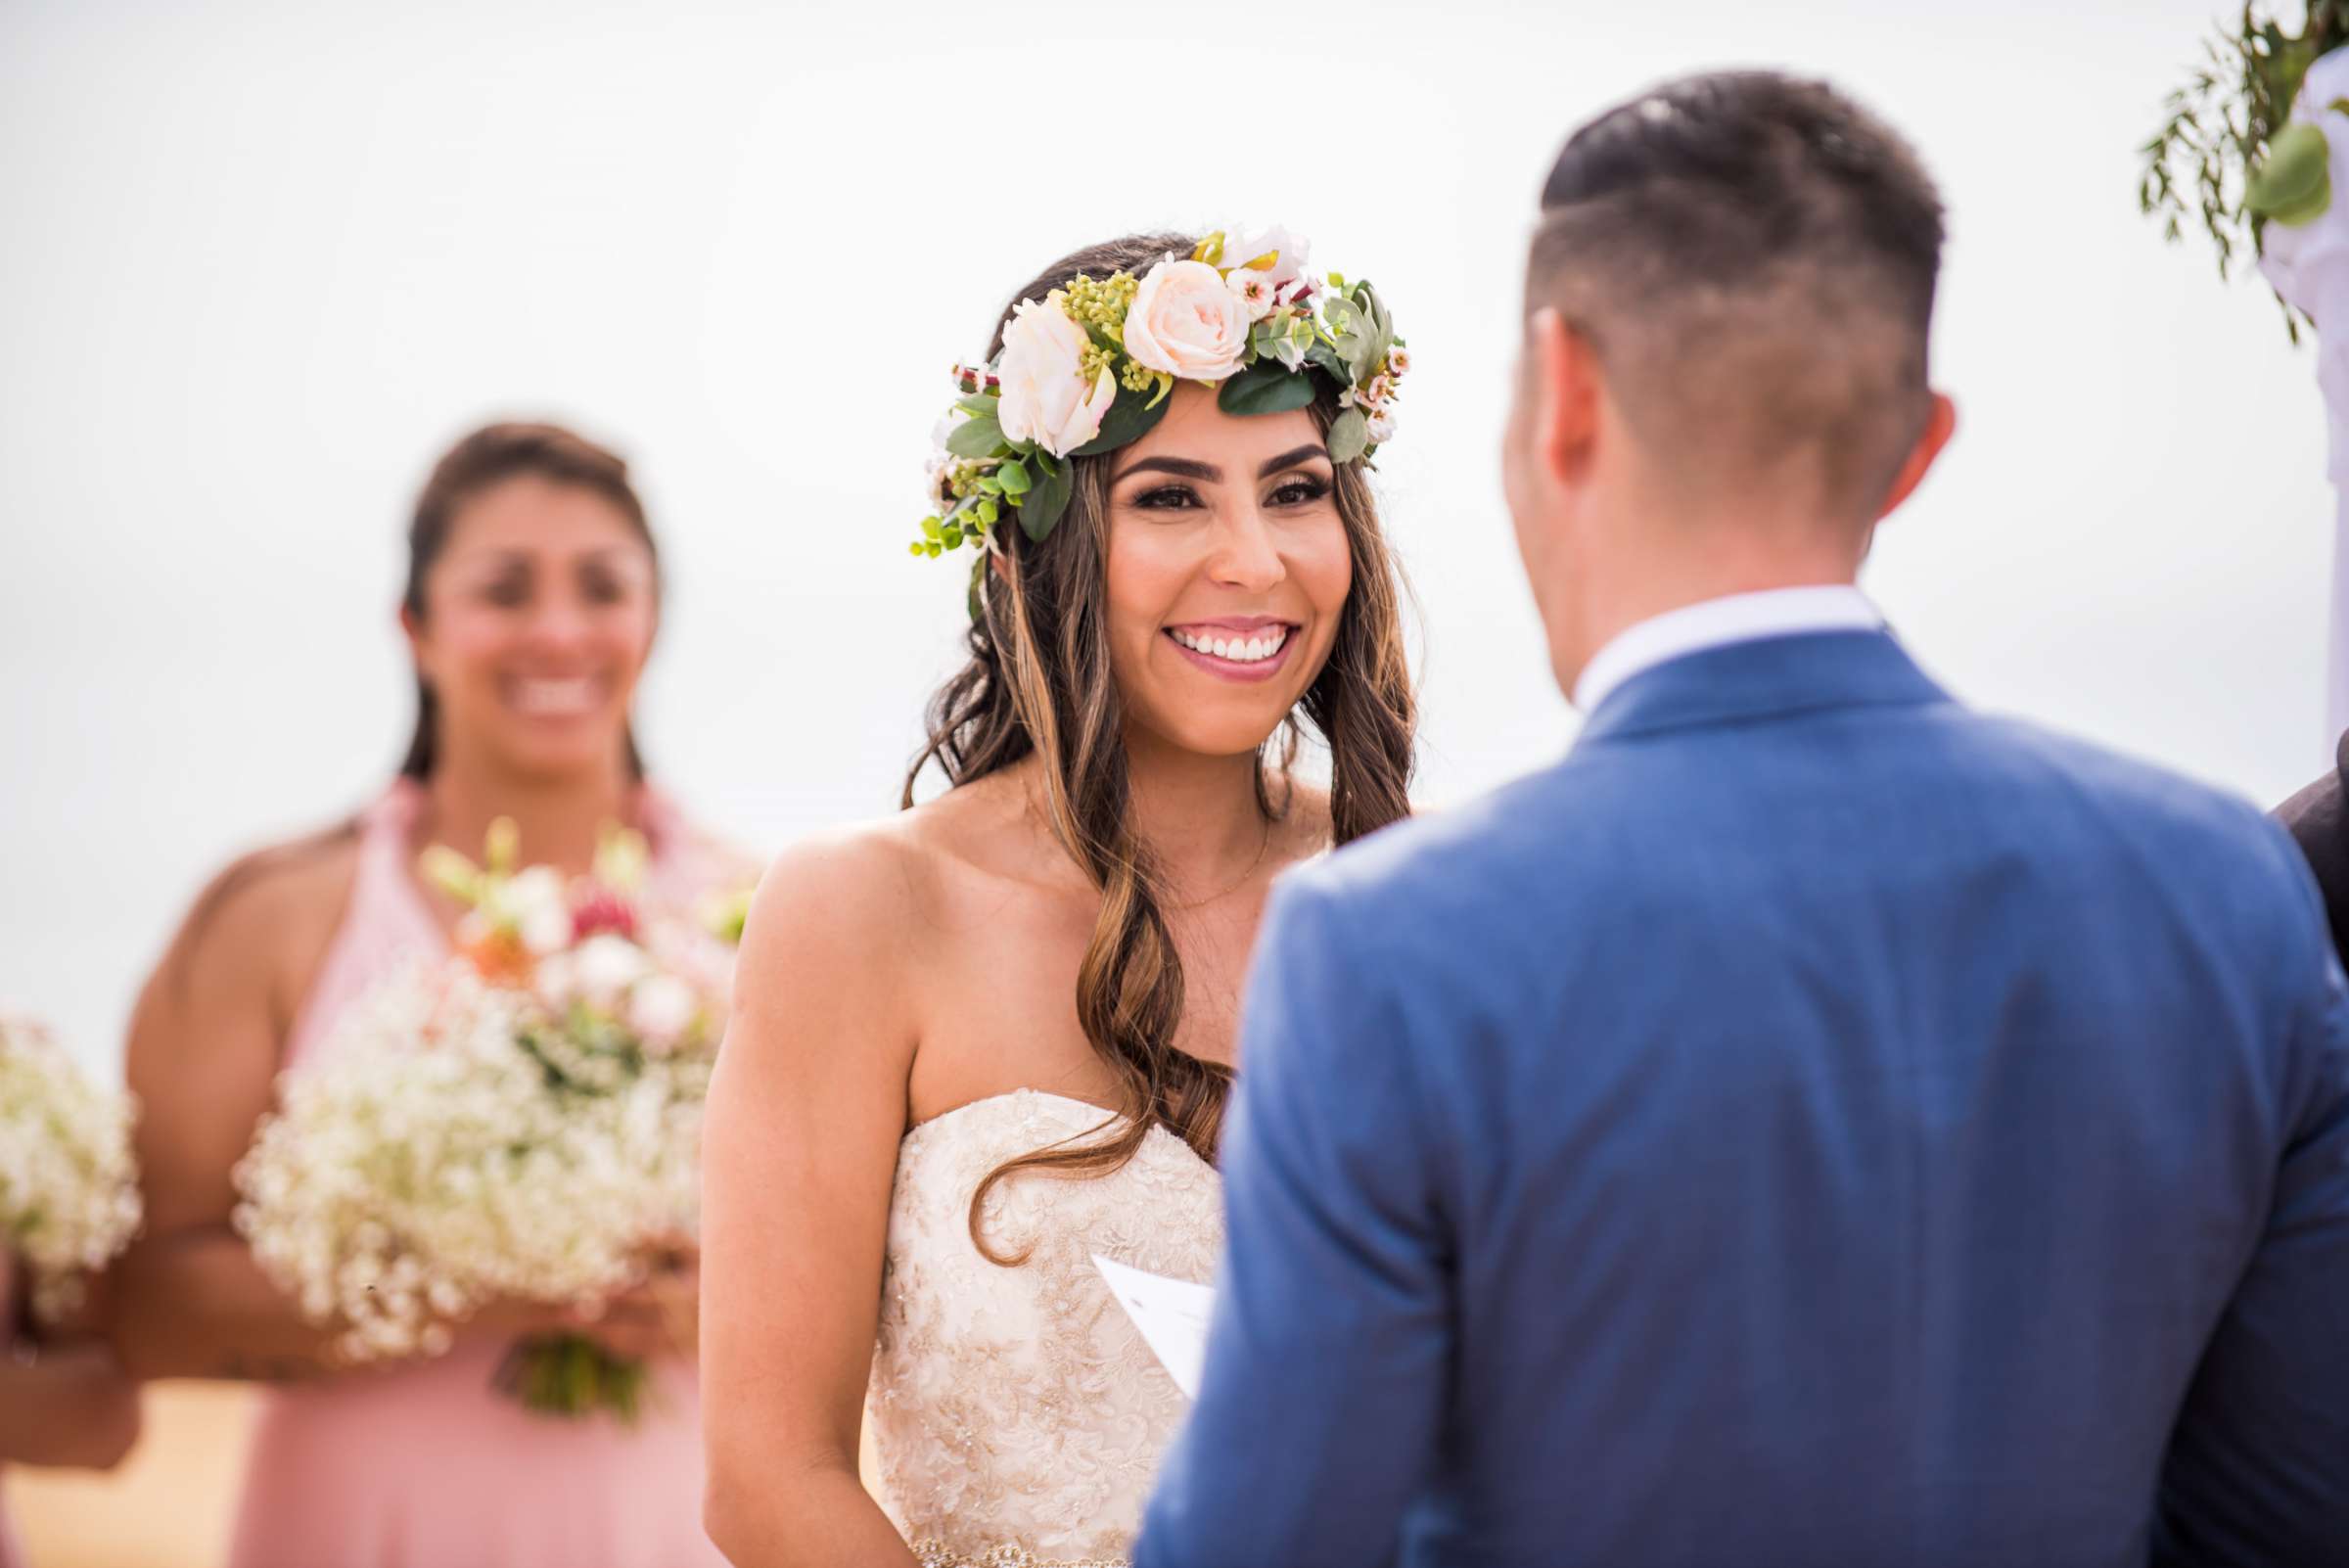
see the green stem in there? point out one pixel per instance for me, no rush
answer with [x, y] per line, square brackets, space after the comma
[571, 1377]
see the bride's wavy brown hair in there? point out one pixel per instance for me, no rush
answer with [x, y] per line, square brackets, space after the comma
[1038, 682]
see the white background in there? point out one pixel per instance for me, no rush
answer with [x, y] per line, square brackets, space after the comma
[259, 263]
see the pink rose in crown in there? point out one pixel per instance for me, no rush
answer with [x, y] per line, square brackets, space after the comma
[1188, 323]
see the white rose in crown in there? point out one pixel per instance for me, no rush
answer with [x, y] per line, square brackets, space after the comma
[1185, 321]
[1290, 252]
[1045, 398]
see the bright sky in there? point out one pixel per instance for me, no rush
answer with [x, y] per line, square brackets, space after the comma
[263, 261]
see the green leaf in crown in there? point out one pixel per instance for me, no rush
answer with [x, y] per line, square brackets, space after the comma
[1088, 369]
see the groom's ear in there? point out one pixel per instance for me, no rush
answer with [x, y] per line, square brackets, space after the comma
[1940, 423]
[1565, 397]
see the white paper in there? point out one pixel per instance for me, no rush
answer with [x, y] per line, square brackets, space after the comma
[1172, 1315]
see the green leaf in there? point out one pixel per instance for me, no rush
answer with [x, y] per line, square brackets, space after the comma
[1046, 499]
[985, 404]
[1267, 387]
[1349, 436]
[1014, 478]
[2294, 185]
[931, 525]
[1131, 417]
[1364, 331]
[1324, 356]
[976, 437]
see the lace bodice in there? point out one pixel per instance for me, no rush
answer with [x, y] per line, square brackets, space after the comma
[1018, 1416]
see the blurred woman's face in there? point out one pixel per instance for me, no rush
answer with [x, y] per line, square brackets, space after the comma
[537, 620]
[1227, 570]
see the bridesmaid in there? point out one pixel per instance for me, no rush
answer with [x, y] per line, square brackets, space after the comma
[532, 600]
[63, 1403]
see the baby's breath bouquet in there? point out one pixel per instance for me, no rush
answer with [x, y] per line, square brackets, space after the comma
[520, 1122]
[68, 1192]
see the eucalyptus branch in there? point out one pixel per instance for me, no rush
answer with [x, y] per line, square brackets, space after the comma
[2217, 129]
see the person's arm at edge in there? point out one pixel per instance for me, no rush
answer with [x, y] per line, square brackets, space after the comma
[188, 1300]
[67, 1405]
[2258, 1469]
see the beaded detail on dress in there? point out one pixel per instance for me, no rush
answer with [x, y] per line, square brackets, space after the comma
[1018, 1416]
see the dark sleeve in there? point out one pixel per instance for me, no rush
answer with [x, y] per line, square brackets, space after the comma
[2315, 819]
[2258, 1470]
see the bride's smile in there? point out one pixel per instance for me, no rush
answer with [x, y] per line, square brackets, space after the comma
[1227, 569]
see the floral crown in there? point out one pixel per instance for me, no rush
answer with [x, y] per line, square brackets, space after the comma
[1087, 369]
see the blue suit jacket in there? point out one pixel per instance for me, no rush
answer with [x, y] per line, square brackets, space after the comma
[1813, 1124]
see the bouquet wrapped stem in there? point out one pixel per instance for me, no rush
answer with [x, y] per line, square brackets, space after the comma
[571, 1375]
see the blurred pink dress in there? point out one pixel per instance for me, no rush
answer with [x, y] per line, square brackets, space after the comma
[427, 1466]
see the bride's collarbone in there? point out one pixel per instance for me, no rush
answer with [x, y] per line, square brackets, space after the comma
[1001, 1021]
[996, 970]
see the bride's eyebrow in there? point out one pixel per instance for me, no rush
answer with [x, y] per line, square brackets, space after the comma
[1192, 468]
[1181, 467]
[1302, 454]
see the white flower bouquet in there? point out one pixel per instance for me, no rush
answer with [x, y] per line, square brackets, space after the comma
[520, 1122]
[69, 1190]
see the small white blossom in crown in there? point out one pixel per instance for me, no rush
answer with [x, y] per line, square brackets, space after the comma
[1087, 370]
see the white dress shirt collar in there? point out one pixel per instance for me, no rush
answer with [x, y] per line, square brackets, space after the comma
[1716, 623]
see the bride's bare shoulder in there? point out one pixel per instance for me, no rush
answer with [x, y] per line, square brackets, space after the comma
[889, 876]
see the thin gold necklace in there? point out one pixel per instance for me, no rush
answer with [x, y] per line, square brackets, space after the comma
[1263, 844]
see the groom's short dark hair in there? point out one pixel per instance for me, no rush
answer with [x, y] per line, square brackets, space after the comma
[1754, 258]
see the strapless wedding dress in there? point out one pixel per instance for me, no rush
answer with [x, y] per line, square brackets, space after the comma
[1017, 1415]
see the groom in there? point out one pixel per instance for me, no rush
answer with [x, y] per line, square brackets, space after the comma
[1814, 1122]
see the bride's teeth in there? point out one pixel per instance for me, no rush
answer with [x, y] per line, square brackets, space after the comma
[1240, 650]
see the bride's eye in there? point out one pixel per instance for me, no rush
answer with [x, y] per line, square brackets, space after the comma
[1166, 499]
[1303, 491]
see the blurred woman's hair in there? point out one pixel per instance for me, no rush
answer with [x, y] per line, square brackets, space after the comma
[482, 460]
[1037, 682]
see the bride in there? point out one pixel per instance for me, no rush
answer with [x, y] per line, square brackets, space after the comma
[981, 1041]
